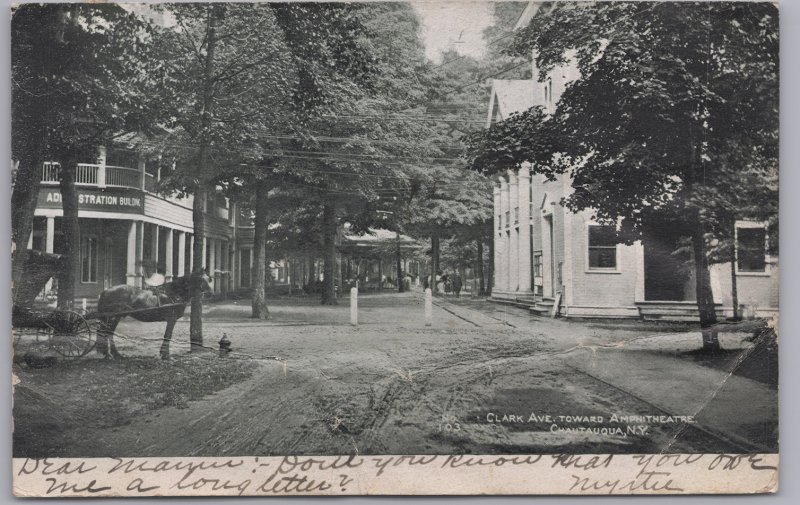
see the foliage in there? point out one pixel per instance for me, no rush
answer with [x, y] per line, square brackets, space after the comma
[674, 118]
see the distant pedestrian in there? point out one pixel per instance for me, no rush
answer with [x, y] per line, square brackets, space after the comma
[457, 284]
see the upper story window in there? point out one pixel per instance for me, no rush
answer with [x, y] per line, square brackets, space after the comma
[548, 92]
[602, 247]
[751, 249]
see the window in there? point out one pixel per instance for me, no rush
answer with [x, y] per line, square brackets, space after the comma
[537, 282]
[89, 259]
[537, 264]
[508, 218]
[516, 215]
[751, 249]
[602, 247]
[500, 222]
[548, 93]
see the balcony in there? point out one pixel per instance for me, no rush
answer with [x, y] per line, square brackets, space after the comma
[90, 175]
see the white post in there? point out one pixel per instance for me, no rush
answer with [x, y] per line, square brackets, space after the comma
[428, 307]
[354, 306]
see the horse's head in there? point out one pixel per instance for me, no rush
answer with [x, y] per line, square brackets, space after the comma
[181, 287]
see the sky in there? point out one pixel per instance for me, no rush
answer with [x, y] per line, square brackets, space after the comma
[453, 25]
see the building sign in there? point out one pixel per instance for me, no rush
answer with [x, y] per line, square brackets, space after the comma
[129, 201]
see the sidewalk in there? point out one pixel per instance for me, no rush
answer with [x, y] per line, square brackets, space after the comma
[656, 367]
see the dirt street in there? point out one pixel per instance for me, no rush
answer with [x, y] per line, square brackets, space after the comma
[481, 379]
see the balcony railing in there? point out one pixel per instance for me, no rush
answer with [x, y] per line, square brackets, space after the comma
[123, 177]
[111, 176]
[89, 174]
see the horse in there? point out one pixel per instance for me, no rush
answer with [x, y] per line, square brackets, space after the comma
[163, 303]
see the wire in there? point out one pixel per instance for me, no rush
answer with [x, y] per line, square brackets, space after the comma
[370, 156]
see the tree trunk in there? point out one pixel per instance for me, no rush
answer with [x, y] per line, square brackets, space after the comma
[198, 258]
[479, 268]
[70, 227]
[490, 269]
[434, 261]
[329, 236]
[201, 187]
[23, 206]
[399, 262]
[259, 302]
[312, 275]
[705, 296]
[339, 279]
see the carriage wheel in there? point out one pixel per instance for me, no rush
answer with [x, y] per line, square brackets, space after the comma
[72, 335]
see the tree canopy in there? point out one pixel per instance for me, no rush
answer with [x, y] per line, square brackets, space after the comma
[674, 115]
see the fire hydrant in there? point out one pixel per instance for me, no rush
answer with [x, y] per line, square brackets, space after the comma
[224, 345]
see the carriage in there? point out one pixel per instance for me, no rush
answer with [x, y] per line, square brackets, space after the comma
[72, 334]
[67, 332]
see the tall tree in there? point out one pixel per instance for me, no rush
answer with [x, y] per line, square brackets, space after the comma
[80, 76]
[675, 113]
[362, 134]
[231, 81]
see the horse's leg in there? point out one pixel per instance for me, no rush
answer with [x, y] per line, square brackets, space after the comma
[114, 351]
[105, 338]
[104, 333]
[167, 337]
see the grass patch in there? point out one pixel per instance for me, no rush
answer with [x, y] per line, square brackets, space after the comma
[93, 393]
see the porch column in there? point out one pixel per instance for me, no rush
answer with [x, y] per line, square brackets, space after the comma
[638, 291]
[168, 255]
[524, 246]
[30, 240]
[203, 262]
[498, 267]
[50, 235]
[101, 162]
[502, 244]
[190, 262]
[154, 245]
[142, 168]
[513, 256]
[212, 262]
[131, 260]
[181, 253]
[139, 253]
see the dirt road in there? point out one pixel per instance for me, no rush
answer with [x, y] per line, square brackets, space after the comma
[474, 382]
